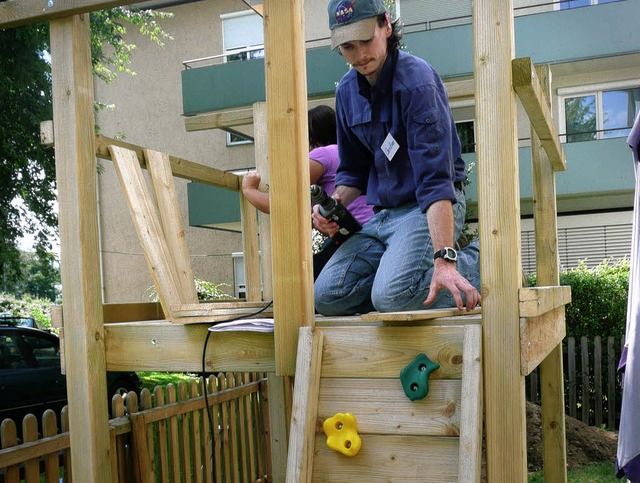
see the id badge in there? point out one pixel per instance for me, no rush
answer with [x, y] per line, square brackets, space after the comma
[390, 147]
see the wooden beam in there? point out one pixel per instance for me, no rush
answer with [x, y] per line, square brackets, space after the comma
[14, 13]
[305, 406]
[159, 168]
[527, 86]
[164, 346]
[181, 168]
[261, 153]
[219, 119]
[286, 89]
[148, 227]
[548, 273]
[470, 452]
[73, 118]
[499, 215]
[418, 314]
[536, 301]
[539, 336]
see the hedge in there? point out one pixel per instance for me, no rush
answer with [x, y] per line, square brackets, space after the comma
[598, 298]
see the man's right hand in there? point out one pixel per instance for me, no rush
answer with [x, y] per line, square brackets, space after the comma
[320, 223]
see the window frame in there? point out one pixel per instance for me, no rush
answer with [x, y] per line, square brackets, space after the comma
[595, 90]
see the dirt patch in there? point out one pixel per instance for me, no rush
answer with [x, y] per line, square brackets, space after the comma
[585, 444]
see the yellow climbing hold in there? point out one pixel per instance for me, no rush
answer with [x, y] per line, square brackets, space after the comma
[342, 434]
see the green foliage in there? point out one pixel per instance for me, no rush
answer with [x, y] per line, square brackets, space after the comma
[206, 291]
[108, 27]
[598, 299]
[212, 291]
[27, 168]
[29, 306]
[150, 380]
[39, 276]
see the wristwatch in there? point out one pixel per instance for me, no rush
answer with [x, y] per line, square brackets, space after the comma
[448, 253]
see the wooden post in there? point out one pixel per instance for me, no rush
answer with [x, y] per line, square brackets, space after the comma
[548, 273]
[80, 263]
[289, 175]
[499, 214]
[260, 142]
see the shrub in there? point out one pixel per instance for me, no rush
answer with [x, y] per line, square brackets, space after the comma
[598, 298]
[28, 306]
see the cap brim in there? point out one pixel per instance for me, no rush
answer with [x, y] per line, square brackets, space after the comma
[360, 30]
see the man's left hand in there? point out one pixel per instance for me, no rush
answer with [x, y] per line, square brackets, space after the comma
[446, 276]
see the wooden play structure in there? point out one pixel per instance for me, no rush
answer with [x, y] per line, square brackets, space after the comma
[348, 364]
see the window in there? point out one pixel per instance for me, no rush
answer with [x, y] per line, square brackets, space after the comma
[243, 39]
[599, 114]
[567, 4]
[467, 134]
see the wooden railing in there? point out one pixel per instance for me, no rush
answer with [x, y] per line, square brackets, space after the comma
[159, 436]
[592, 383]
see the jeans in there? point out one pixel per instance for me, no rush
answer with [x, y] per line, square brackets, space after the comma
[387, 266]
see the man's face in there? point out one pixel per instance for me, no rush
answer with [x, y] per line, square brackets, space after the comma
[368, 56]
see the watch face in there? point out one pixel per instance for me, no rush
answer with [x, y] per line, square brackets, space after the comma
[447, 253]
[450, 254]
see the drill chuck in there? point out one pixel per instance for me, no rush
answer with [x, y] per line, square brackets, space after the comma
[333, 210]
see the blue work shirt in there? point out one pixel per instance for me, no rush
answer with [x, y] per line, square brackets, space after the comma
[409, 102]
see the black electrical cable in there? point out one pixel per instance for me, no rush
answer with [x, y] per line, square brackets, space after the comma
[204, 377]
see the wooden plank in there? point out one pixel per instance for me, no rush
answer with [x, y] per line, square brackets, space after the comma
[46, 133]
[58, 323]
[536, 301]
[73, 117]
[216, 308]
[174, 435]
[160, 438]
[261, 154]
[418, 314]
[535, 103]
[385, 351]
[389, 458]
[286, 89]
[144, 346]
[539, 336]
[50, 428]
[571, 376]
[597, 378]
[305, 406]
[586, 399]
[9, 439]
[198, 435]
[251, 250]
[499, 215]
[14, 13]
[611, 384]
[14, 455]
[219, 119]
[181, 168]
[277, 427]
[147, 226]
[381, 406]
[159, 169]
[470, 452]
[30, 435]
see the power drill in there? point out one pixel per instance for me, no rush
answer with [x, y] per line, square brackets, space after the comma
[333, 210]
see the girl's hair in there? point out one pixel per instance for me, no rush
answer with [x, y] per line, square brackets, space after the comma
[322, 126]
[393, 42]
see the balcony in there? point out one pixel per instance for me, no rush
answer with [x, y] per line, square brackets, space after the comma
[556, 36]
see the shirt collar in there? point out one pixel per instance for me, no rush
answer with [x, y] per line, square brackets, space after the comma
[383, 83]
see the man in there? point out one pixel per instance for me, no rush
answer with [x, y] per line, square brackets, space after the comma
[398, 144]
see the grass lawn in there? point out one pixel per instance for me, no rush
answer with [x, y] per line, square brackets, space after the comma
[595, 473]
[150, 380]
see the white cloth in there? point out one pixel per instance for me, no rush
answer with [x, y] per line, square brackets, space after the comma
[629, 435]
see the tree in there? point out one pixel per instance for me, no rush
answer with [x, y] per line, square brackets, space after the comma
[27, 168]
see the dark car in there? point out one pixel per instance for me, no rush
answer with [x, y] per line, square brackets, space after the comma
[30, 376]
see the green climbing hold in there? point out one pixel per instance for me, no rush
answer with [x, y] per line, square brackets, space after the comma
[415, 377]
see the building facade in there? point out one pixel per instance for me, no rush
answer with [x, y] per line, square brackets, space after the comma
[216, 63]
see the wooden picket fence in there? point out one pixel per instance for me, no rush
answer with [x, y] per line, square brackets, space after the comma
[592, 386]
[159, 437]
